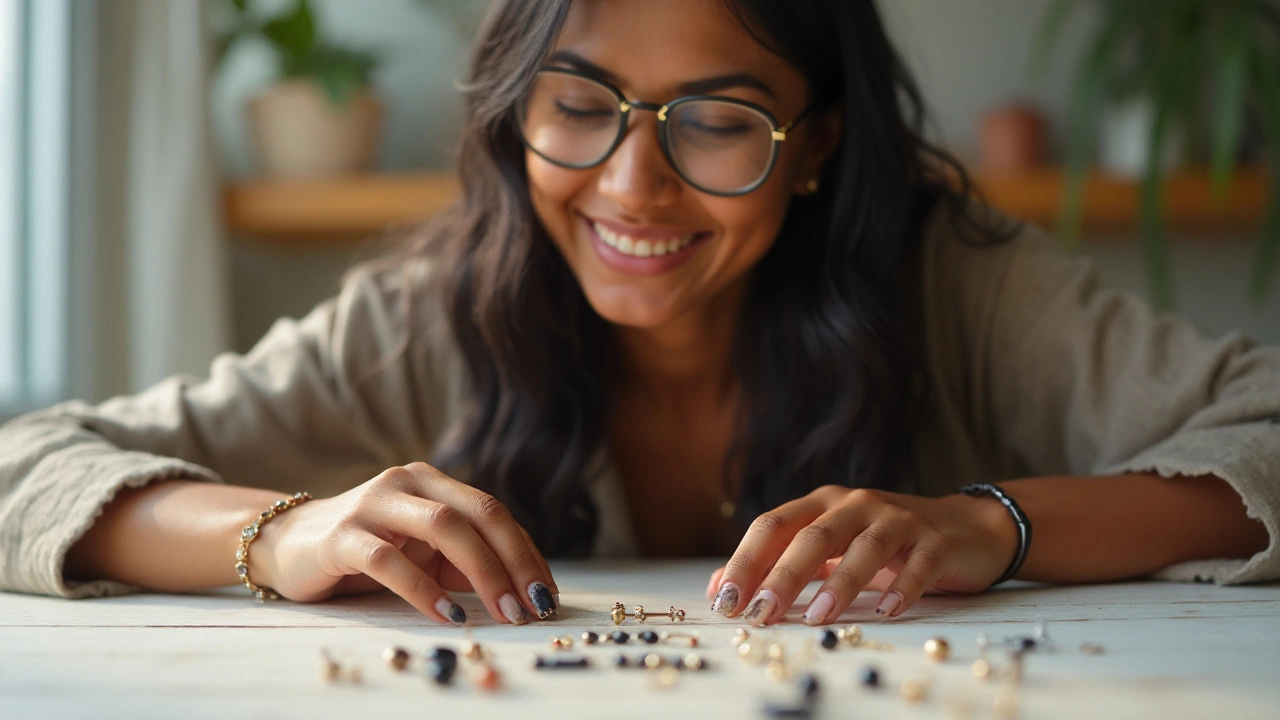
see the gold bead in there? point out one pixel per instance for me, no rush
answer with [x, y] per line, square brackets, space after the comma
[653, 661]
[913, 690]
[472, 651]
[777, 671]
[740, 637]
[775, 651]
[668, 676]
[396, 657]
[851, 635]
[937, 649]
[981, 669]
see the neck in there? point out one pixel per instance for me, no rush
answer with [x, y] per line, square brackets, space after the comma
[686, 359]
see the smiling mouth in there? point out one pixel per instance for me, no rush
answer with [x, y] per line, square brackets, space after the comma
[642, 248]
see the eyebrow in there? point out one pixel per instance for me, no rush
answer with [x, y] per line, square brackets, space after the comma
[704, 86]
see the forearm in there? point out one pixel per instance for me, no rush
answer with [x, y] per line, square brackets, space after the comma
[172, 536]
[1091, 529]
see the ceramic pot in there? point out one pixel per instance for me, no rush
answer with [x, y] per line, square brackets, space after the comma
[299, 132]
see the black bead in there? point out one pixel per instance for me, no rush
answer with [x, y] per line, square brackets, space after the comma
[620, 637]
[444, 657]
[870, 677]
[809, 686]
[830, 639]
[1028, 643]
[648, 636]
[788, 711]
[621, 661]
[590, 638]
[441, 672]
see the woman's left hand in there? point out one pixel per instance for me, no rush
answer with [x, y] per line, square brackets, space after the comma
[856, 539]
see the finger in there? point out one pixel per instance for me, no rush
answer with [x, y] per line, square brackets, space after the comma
[452, 579]
[824, 572]
[760, 548]
[384, 562]
[922, 569]
[450, 532]
[866, 555]
[827, 536]
[513, 547]
[715, 582]
[542, 561]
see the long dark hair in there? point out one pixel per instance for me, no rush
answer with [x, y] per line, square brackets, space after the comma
[828, 346]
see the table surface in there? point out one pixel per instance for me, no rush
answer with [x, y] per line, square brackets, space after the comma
[1170, 650]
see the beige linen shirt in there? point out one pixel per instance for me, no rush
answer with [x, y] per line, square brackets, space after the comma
[1034, 370]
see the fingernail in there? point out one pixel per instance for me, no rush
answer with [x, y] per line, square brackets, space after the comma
[542, 601]
[761, 608]
[726, 602]
[888, 603]
[819, 608]
[451, 610]
[512, 608]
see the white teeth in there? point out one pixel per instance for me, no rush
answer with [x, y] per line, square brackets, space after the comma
[628, 245]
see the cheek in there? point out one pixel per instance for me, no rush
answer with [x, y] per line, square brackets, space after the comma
[551, 188]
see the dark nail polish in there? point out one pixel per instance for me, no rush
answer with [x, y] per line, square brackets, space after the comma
[457, 615]
[542, 601]
[726, 600]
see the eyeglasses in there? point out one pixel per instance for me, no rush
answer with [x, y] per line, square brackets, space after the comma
[721, 146]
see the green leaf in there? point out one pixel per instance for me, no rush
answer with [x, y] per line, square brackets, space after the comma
[294, 37]
[241, 5]
[1088, 94]
[1266, 68]
[1046, 40]
[1231, 84]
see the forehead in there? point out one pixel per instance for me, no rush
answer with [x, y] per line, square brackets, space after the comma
[653, 46]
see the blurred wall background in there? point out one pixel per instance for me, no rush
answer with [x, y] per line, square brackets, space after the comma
[967, 55]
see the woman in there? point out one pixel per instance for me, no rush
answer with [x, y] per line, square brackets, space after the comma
[707, 288]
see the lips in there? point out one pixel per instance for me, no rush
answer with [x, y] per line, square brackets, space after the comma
[641, 251]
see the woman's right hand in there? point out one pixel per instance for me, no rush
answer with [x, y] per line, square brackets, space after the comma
[415, 531]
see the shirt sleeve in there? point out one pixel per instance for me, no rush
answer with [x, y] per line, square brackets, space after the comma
[1085, 380]
[319, 404]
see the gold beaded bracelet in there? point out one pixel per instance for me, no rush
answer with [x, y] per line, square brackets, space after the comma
[250, 533]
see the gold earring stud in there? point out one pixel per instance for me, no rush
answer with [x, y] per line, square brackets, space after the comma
[812, 186]
[619, 613]
[675, 615]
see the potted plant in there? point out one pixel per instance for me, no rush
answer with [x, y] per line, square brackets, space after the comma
[322, 117]
[1179, 56]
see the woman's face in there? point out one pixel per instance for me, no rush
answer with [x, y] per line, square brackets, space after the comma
[651, 49]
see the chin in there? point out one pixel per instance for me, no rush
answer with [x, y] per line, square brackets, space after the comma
[629, 307]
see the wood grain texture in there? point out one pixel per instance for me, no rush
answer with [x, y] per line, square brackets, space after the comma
[1171, 651]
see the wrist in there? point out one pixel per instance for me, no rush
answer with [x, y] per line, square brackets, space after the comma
[996, 525]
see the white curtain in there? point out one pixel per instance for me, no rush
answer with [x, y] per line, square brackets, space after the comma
[158, 240]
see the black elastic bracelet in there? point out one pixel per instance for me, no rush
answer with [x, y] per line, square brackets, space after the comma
[1019, 518]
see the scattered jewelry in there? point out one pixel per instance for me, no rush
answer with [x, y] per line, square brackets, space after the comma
[332, 671]
[619, 637]
[851, 635]
[543, 663]
[1091, 648]
[982, 669]
[590, 638]
[562, 642]
[870, 677]
[472, 650]
[937, 649]
[777, 671]
[647, 637]
[675, 615]
[619, 613]
[442, 664]
[740, 636]
[829, 639]
[691, 638]
[914, 690]
[486, 677]
[396, 657]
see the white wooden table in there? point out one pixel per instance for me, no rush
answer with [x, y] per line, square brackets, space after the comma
[1169, 651]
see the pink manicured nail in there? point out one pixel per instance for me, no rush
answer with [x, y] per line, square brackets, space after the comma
[512, 608]
[888, 603]
[761, 608]
[451, 610]
[819, 609]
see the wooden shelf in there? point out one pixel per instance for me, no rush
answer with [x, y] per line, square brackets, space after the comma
[340, 209]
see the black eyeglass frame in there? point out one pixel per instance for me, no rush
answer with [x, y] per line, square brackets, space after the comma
[778, 131]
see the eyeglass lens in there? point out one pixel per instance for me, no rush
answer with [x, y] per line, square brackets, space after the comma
[715, 145]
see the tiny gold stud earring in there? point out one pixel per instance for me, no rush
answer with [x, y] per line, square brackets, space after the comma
[811, 186]
[619, 613]
[937, 649]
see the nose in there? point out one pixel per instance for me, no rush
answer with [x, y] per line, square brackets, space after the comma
[637, 175]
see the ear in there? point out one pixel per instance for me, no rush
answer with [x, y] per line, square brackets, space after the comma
[825, 133]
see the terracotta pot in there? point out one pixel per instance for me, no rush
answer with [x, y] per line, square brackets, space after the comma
[1012, 139]
[300, 132]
